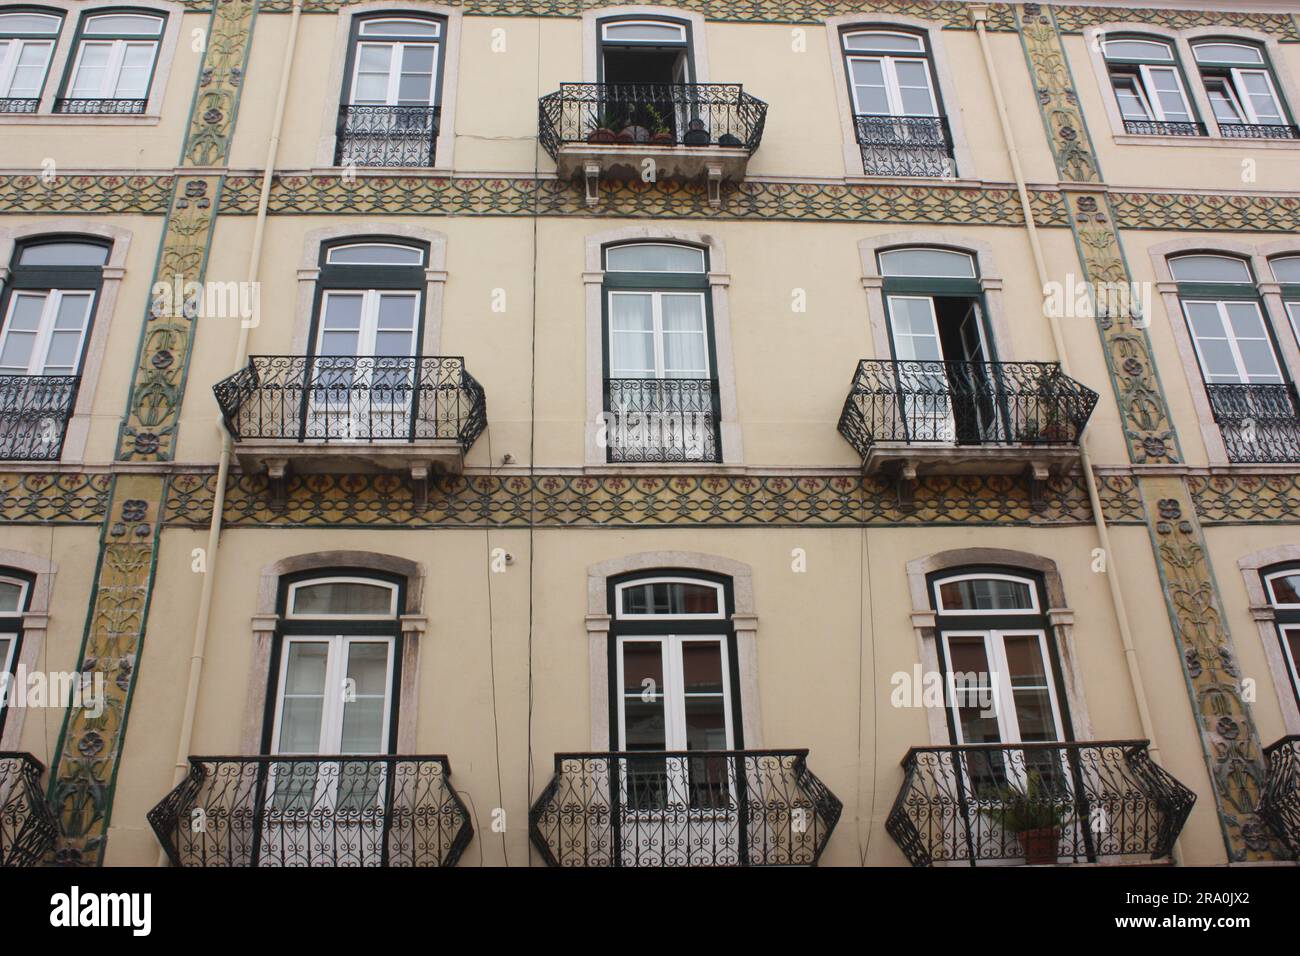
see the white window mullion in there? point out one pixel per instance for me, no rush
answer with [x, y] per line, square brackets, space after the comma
[892, 91]
[1008, 722]
[657, 324]
[108, 89]
[394, 74]
[674, 693]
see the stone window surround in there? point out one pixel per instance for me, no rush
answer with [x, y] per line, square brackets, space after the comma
[414, 624]
[1258, 255]
[943, 75]
[593, 279]
[36, 621]
[1182, 40]
[1059, 615]
[92, 360]
[1265, 617]
[449, 64]
[73, 14]
[989, 279]
[435, 275]
[591, 41]
[744, 620]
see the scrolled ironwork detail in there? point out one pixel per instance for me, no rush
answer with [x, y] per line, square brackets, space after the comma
[18, 104]
[34, 414]
[905, 146]
[1259, 423]
[386, 135]
[685, 808]
[1081, 802]
[1259, 131]
[661, 419]
[1163, 128]
[27, 824]
[314, 811]
[99, 106]
[1279, 803]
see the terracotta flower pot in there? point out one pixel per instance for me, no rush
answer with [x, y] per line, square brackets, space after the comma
[1040, 844]
[601, 136]
[662, 139]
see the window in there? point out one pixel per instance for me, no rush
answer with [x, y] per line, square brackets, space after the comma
[48, 308]
[1149, 87]
[15, 595]
[897, 113]
[1250, 395]
[1242, 90]
[1282, 586]
[112, 64]
[1286, 271]
[642, 50]
[366, 341]
[392, 90]
[661, 394]
[27, 41]
[672, 660]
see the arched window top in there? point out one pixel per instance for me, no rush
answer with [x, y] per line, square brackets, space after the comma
[925, 262]
[29, 23]
[1139, 49]
[1209, 267]
[353, 253]
[1286, 269]
[13, 594]
[985, 592]
[654, 257]
[122, 24]
[405, 26]
[1283, 587]
[62, 253]
[342, 596]
[669, 597]
[643, 30]
[1227, 52]
[883, 41]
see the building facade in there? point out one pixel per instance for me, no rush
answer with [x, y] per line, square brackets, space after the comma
[700, 433]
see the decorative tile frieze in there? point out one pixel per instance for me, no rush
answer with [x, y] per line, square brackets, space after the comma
[1067, 131]
[1209, 661]
[1076, 19]
[1228, 499]
[1204, 212]
[54, 498]
[216, 99]
[146, 195]
[566, 500]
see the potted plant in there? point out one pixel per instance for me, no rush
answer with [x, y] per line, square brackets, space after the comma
[1035, 814]
[601, 129]
[660, 135]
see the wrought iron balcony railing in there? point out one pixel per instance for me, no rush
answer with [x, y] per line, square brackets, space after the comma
[1036, 802]
[353, 398]
[1259, 423]
[18, 104]
[1279, 805]
[975, 403]
[34, 414]
[313, 811]
[697, 808]
[905, 145]
[1259, 131]
[661, 419]
[651, 114]
[386, 135]
[98, 105]
[1163, 128]
[27, 825]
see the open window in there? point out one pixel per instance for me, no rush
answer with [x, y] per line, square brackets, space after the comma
[1242, 90]
[1286, 272]
[1149, 87]
[15, 597]
[112, 64]
[27, 40]
[1282, 588]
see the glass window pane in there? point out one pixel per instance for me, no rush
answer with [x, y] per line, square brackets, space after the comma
[397, 311]
[1224, 106]
[417, 59]
[90, 70]
[929, 263]
[971, 689]
[1025, 661]
[706, 724]
[1131, 104]
[63, 354]
[1209, 269]
[375, 57]
[123, 23]
[1285, 588]
[64, 254]
[885, 42]
[16, 355]
[1138, 50]
[394, 343]
[1287, 269]
[375, 255]
[1245, 319]
[305, 673]
[642, 662]
[400, 28]
[632, 312]
[25, 311]
[702, 667]
[30, 71]
[869, 90]
[985, 594]
[645, 32]
[670, 597]
[300, 725]
[632, 355]
[1257, 356]
[650, 257]
[1227, 53]
[1169, 94]
[914, 87]
[343, 597]
[363, 726]
[1034, 715]
[28, 23]
[11, 596]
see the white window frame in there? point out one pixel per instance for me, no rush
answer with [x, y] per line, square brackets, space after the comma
[1145, 70]
[986, 612]
[369, 329]
[657, 330]
[395, 68]
[329, 255]
[1247, 102]
[1272, 596]
[673, 692]
[1230, 336]
[22, 593]
[642, 22]
[620, 614]
[331, 726]
[1004, 703]
[16, 44]
[889, 69]
[658, 245]
[1139, 91]
[117, 54]
[45, 327]
[291, 600]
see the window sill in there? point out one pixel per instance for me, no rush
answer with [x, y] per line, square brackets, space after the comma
[659, 467]
[430, 172]
[79, 119]
[1214, 142]
[861, 180]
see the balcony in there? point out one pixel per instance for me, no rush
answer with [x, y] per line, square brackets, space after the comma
[18, 104]
[697, 808]
[911, 417]
[1258, 131]
[313, 811]
[668, 420]
[910, 146]
[1163, 128]
[1279, 806]
[27, 826]
[34, 414]
[1259, 423]
[691, 131]
[1037, 803]
[342, 414]
[386, 135]
[99, 107]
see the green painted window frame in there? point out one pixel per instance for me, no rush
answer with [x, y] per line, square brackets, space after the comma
[80, 35]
